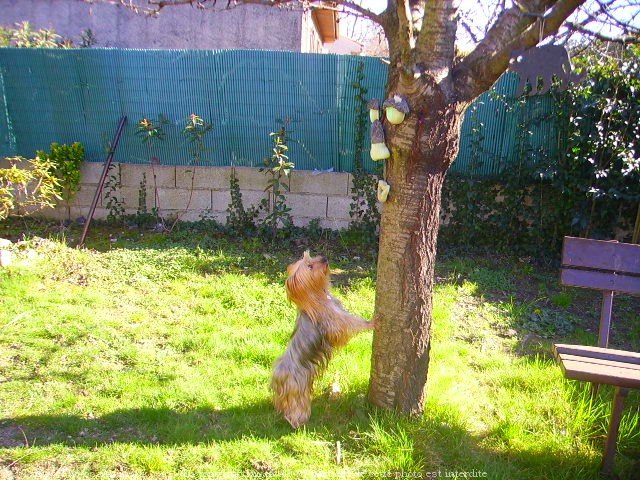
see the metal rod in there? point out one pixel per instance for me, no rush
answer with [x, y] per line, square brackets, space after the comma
[103, 177]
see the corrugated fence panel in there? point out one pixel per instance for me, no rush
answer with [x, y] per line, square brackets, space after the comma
[502, 131]
[64, 96]
[375, 78]
[7, 140]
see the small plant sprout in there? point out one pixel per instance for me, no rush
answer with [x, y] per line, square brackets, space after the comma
[278, 167]
[196, 130]
[150, 132]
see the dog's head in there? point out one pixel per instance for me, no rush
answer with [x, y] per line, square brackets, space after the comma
[308, 281]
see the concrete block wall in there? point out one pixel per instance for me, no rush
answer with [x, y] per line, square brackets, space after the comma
[312, 195]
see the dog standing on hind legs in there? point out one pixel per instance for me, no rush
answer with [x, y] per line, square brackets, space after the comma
[322, 325]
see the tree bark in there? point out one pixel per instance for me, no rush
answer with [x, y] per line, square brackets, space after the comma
[438, 87]
[423, 147]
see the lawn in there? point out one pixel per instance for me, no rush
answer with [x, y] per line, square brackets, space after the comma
[149, 356]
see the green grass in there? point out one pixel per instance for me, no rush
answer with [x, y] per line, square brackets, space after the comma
[150, 357]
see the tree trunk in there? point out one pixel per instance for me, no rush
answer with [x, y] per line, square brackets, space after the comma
[423, 147]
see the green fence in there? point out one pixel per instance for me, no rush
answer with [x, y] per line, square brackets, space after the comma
[64, 96]
[501, 131]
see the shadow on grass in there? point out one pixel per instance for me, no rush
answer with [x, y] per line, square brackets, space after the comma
[146, 425]
[206, 251]
[538, 309]
[434, 445]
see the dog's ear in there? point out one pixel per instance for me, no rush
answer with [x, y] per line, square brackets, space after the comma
[306, 256]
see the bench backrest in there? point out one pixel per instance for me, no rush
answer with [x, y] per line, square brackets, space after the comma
[609, 266]
[600, 265]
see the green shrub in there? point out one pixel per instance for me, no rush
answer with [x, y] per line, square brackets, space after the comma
[65, 161]
[591, 190]
[27, 186]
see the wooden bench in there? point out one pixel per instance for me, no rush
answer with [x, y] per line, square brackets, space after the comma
[609, 267]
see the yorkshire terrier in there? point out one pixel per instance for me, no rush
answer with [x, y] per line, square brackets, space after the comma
[322, 325]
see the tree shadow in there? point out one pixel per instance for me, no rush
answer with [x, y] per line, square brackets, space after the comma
[433, 445]
[190, 426]
[144, 425]
[539, 310]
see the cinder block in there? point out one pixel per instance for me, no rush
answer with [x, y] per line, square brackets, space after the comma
[191, 215]
[77, 212]
[335, 224]
[56, 213]
[252, 198]
[305, 181]
[61, 213]
[127, 195]
[84, 196]
[215, 178]
[332, 224]
[220, 201]
[251, 178]
[165, 176]
[301, 221]
[339, 207]
[90, 172]
[313, 206]
[132, 175]
[100, 213]
[220, 217]
[178, 199]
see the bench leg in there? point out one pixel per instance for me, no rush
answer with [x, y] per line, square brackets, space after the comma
[612, 436]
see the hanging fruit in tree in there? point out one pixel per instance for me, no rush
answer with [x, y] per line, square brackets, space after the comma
[383, 190]
[395, 108]
[379, 150]
[374, 109]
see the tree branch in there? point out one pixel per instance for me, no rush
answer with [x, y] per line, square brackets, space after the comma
[630, 38]
[469, 31]
[406, 40]
[436, 42]
[364, 12]
[515, 28]
[509, 24]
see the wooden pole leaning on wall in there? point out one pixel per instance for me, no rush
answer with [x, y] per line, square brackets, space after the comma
[103, 177]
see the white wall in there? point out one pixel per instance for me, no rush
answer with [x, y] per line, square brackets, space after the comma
[181, 27]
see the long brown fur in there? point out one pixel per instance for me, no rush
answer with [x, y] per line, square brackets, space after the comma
[322, 325]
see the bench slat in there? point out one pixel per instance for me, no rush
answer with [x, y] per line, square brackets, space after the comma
[600, 365]
[599, 353]
[576, 368]
[600, 281]
[601, 255]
